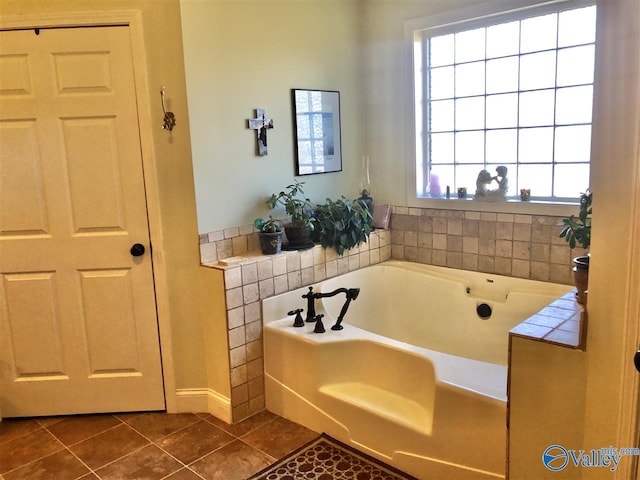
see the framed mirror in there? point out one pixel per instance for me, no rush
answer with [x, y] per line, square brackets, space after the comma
[316, 123]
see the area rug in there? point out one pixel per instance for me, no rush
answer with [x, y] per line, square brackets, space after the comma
[326, 458]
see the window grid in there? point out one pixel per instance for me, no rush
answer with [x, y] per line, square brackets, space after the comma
[483, 162]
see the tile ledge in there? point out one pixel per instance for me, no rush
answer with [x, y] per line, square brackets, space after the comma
[244, 259]
[572, 311]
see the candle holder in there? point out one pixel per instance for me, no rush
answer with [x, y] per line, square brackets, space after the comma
[525, 194]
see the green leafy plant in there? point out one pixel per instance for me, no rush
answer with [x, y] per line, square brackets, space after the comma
[342, 224]
[577, 230]
[272, 225]
[295, 204]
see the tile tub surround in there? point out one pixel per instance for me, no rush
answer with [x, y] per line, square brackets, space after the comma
[524, 246]
[252, 277]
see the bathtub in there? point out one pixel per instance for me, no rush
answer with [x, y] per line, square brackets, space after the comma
[418, 375]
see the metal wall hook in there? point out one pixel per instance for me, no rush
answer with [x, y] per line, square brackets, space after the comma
[169, 120]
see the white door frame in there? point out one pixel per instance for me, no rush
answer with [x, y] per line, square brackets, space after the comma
[133, 20]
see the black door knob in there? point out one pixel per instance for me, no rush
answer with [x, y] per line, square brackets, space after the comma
[636, 360]
[137, 250]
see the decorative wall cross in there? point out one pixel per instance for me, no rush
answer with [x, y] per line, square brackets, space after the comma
[261, 124]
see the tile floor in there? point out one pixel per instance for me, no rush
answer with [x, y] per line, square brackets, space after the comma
[144, 446]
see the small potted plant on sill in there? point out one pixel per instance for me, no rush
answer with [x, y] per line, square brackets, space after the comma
[300, 209]
[342, 224]
[577, 232]
[270, 235]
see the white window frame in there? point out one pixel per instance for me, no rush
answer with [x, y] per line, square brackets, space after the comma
[492, 12]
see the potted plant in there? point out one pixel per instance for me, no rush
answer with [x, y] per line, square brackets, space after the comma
[577, 231]
[300, 209]
[342, 224]
[270, 235]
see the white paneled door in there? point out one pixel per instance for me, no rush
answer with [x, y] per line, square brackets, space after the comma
[78, 323]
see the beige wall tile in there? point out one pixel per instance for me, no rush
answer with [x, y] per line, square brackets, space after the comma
[252, 312]
[504, 231]
[521, 250]
[249, 273]
[470, 245]
[250, 293]
[439, 241]
[540, 252]
[235, 317]
[454, 226]
[522, 232]
[239, 245]
[238, 356]
[279, 264]
[520, 268]
[470, 261]
[236, 337]
[232, 278]
[294, 279]
[470, 228]
[265, 269]
[425, 255]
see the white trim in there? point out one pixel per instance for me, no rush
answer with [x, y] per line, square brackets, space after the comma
[497, 11]
[491, 12]
[132, 19]
[629, 426]
[189, 400]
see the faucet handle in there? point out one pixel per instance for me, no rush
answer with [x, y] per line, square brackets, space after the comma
[319, 328]
[298, 322]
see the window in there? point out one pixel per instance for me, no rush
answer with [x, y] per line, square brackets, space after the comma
[514, 90]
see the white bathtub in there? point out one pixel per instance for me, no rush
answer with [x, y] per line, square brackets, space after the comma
[416, 377]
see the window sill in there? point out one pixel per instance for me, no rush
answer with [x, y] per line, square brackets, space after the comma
[511, 206]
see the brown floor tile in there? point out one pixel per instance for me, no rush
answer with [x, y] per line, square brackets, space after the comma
[235, 461]
[108, 446]
[279, 437]
[11, 428]
[27, 448]
[48, 421]
[149, 463]
[195, 441]
[157, 425]
[244, 426]
[184, 474]
[75, 429]
[62, 465]
[128, 416]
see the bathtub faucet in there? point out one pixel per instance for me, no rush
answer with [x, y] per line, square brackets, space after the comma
[350, 293]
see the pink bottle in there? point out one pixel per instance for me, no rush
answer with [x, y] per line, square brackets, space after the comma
[434, 186]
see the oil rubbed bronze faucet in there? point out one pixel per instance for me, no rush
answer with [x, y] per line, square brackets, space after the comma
[350, 293]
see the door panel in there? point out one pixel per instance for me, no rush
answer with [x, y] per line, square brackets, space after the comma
[23, 203]
[78, 326]
[34, 324]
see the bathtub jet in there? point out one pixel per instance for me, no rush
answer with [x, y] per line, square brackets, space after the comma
[311, 296]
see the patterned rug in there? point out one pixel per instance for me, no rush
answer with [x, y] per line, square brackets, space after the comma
[325, 458]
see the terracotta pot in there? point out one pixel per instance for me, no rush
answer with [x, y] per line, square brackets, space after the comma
[581, 277]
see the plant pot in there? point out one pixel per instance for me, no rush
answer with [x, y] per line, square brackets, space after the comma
[581, 276]
[299, 237]
[270, 243]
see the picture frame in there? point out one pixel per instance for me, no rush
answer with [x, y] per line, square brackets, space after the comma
[317, 131]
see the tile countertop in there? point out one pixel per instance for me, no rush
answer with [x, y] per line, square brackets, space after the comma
[562, 322]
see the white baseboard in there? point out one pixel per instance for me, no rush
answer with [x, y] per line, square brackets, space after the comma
[197, 400]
